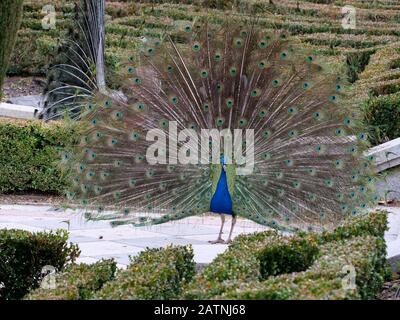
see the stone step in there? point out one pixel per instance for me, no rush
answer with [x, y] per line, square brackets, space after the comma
[18, 111]
[387, 155]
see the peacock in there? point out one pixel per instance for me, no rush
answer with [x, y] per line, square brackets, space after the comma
[225, 118]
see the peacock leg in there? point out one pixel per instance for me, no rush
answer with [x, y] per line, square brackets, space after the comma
[229, 240]
[219, 239]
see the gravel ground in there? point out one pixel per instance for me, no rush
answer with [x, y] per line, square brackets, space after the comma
[391, 291]
[22, 86]
[31, 199]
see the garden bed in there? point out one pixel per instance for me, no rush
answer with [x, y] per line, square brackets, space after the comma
[346, 263]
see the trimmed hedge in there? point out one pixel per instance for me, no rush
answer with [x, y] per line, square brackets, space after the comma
[23, 255]
[323, 280]
[78, 282]
[247, 261]
[154, 274]
[29, 156]
[382, 118]
[290, 256]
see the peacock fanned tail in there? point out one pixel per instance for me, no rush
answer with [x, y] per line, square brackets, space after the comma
[309, 169]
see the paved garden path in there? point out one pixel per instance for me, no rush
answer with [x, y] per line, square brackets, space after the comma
[99, 240]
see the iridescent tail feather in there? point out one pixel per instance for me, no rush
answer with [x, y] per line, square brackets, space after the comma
[309, 169]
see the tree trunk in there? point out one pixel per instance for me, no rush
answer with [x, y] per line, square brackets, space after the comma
[10, 21]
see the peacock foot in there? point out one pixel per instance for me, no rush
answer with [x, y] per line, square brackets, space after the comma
[229, 241]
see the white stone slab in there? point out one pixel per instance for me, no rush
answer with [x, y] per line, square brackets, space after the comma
[17, 111]
[100, 248]
[31, 100]
[123, 241]
[117, 233]
[158, 242]
[19, 226]
[387, 155]
[205, 253]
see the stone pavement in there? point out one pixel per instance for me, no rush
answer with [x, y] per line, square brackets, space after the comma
[99, 240]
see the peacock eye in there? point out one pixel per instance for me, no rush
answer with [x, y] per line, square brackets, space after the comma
[262, 44]
[196, 47]
[238, 43]
[204, 74]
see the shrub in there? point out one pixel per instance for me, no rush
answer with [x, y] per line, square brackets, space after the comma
[29, 156]
[153, 274]
[239, 263]
[247, 258]
[382, 118]
[356, 63]
[10, 21]
[324, 279]
[23, 255]
[291, 256]
[371, 224]
[78, 282]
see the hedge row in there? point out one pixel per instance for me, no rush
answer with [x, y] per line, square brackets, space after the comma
[29, 153]
[35, 50]
[77, 282]
[24, 254]
[248, 260]
[263, 265]
[324, 279]
[153, 274]
[382, 117]
[156, 274]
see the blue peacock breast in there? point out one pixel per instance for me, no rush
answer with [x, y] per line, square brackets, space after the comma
[221, 202]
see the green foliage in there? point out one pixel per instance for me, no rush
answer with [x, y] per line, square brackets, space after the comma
[356, 63]
[324, 279]
[372, 224]
[382, 118]
[32, 54]
[291, 256]
[10, 20]
[78, 282]
[29, 156]
[23, 255]
[153, 274]
[246, 271]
